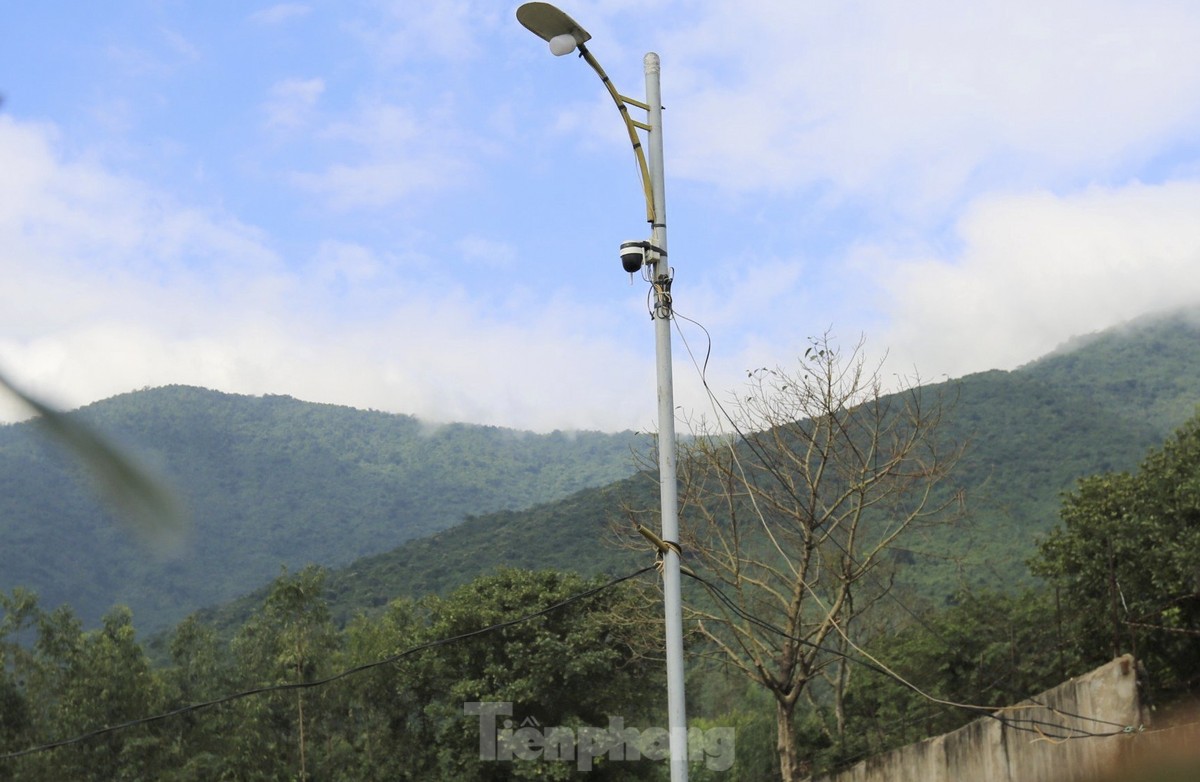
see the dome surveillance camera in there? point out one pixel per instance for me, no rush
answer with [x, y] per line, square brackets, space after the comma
[633, 256]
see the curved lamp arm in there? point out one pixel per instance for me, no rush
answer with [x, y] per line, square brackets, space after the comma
[564, 34]
[631, 125]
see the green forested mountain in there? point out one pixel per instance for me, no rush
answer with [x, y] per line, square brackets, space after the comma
[268, 482]
[1145, 370]
[273, 481]
[575, 534]
[1095, 405]
[1098, 403]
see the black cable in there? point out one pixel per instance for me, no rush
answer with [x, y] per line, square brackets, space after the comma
[321, 682]
[772, 469]
[987, 711]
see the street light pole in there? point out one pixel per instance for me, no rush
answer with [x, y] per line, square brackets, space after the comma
[564, 36]
[660, 276]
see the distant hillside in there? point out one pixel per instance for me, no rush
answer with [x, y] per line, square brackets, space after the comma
[574, 534]
[274, 481]
[1097, 405]
[1146, 369]
[269, 481]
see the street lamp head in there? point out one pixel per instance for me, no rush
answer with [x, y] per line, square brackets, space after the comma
[562, 44]
[553, 26]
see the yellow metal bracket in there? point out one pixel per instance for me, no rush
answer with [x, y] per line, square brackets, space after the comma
[631, 125]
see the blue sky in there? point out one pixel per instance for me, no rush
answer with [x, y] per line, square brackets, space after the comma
[414, 207]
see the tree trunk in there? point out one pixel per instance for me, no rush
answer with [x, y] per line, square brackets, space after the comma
[300, 716]
[789, 760]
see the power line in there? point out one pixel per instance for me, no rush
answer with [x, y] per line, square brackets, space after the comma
[771, 468]
[873, 664]
[327, 680]
[1040, 727]
[1029, 725]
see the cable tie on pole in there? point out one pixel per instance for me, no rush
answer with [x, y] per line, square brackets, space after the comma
[659, 543]
[662, 547]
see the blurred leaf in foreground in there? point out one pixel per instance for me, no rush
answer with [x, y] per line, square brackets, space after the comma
[138, 497]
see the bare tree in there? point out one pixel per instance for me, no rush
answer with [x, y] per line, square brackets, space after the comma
[793, 507]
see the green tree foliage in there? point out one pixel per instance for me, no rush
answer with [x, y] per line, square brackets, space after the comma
[274, 480]
[388, 733]
[75, 682]
[200, 669]
[989, 650]
[572, 664]
[576, 666]
[1124, 564]
[20, 611]
[1121, 576]
[570, 535]
[291, 640]
[1146, 368]
[721, 698]
[1127, 562]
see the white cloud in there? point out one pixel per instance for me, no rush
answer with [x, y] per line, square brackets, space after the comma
[745, 288]
[448, 30]
[1036, 269]
[111, 286]
[379, 127]
[345, 263]
[92, 258]
[477, 250]
[399, 156]
[180, 45]
[1011, 128]
[373, 184]
[916, 102]
[292, 101]
[280, 12]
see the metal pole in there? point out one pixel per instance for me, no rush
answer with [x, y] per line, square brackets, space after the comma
[660, 277]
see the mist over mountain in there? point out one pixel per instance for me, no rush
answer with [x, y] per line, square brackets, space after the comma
[268, 482]
[1095, 405]
[396, 506]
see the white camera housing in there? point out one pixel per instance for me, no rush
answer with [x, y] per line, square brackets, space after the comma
[633, 256]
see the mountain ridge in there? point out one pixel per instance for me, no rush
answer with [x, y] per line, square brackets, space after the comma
[270, 481]
[1033, 432]
[294, 482]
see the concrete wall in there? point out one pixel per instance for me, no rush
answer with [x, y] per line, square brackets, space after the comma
[989, 750]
